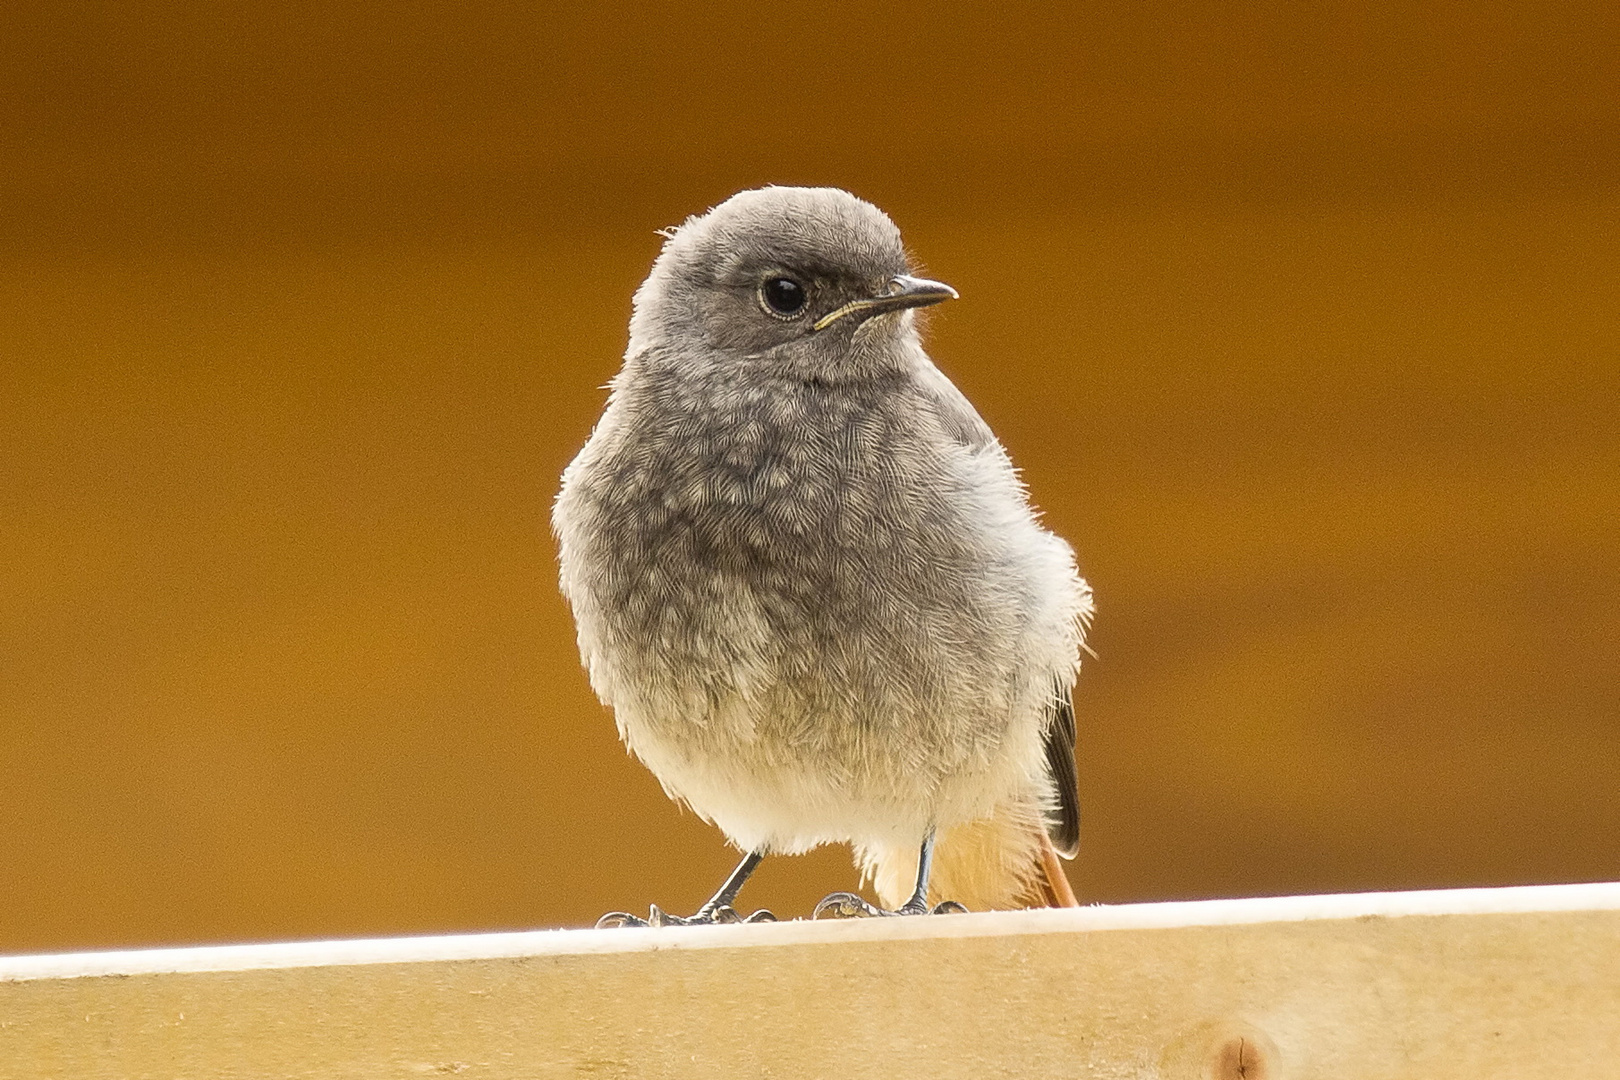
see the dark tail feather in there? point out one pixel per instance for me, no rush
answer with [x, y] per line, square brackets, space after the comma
[1064, 827]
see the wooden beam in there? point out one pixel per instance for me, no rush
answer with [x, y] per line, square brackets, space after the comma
[1473, 983]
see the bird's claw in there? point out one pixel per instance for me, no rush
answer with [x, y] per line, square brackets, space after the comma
[657, 916]
[614, 919]
[845, 905]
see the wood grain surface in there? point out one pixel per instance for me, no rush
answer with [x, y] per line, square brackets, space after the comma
[1518, 982]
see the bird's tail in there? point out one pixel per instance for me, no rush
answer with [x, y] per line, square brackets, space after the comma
[1003, 861]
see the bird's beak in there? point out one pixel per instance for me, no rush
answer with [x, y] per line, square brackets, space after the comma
[905, 291]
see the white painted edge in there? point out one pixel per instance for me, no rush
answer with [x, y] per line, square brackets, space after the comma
[1523, 899]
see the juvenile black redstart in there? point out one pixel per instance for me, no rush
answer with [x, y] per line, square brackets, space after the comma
[807, 578]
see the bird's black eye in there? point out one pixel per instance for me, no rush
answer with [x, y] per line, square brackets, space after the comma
[783, 297]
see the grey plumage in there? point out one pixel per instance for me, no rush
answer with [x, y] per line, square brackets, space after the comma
[806, 576]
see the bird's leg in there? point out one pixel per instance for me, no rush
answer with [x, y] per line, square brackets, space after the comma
[722, 900]
[844, 905]
[717, 910]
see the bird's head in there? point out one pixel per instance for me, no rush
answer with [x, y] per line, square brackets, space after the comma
[810, 282]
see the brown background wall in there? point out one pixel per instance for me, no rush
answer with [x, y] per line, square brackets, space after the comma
[1301, 320]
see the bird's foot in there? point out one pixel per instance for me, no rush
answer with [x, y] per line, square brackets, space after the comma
[706, 916]
[845, 905]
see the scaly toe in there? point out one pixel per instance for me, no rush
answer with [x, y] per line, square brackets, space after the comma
[657, 916]
[949, 907]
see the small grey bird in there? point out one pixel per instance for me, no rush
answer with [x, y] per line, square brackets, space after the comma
[807, 578]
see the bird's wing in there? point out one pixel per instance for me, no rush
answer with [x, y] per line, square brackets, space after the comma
[955, 413]
[961, 422]
[1064, 827]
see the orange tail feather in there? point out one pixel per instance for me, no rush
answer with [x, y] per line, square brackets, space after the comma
[1057, 888]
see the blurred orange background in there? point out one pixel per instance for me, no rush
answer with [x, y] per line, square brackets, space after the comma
[1303, 321]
